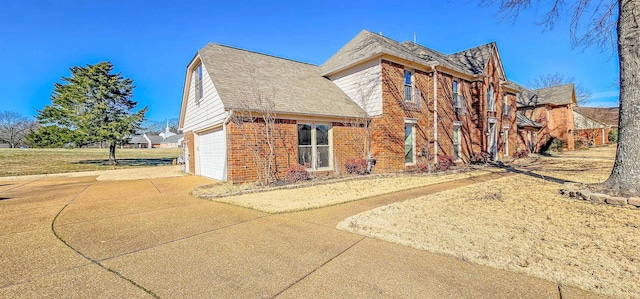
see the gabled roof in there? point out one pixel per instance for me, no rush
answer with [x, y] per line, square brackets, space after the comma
[173, 138]
[242, 78]
[524, 121]
[365, 46]
[608, 116]
[525, 96]
[475, 60]
[557, 95]
[431, 55]
[583, 122]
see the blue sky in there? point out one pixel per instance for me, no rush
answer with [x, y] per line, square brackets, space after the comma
[151, 42]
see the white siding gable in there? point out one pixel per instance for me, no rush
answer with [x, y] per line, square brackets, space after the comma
[363, 84]
[209, 111]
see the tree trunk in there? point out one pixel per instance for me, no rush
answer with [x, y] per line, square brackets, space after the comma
[112, 154]
[625, 175]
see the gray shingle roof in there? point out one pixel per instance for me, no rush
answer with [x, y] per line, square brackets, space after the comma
[242, 77]
[525, 96]
[474, 60]
[364, 46]
[524, 121]
[427, 54]
[367, 44]
[583, 122]
[608, 116]
[173, 138]
[556, 95]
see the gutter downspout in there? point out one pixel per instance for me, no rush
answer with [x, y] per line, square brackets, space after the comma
[435, 115]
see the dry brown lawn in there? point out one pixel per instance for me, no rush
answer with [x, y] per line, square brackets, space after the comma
[522, 224]
[316, 196]
[15, 162]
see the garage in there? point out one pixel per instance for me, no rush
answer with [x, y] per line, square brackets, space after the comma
[212, 154]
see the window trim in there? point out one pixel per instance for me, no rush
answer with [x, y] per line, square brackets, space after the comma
[505, 142]
[491, 98]
[457, 126]
[410, 122]
[314, 145]
[198, 84]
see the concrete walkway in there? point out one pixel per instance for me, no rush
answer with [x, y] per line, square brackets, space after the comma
[78, 237]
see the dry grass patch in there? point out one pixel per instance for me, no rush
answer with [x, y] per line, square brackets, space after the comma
[30, 161]
[316, 196]
[522, 224]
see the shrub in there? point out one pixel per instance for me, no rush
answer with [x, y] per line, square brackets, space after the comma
[523, 153]
[581, 142]
[480, 158]
[423, 168]
[556, 145]
[445, 162]
[297, 173]
[357, 166]
[613, 135]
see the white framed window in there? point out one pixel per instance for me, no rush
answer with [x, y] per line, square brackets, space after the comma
[457, 138]
[197, 76]
[491, 98]
[411, 93]
[505, 137]
[314, 148]
[409, 142]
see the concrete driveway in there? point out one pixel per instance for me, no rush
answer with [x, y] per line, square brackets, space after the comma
[78, 237]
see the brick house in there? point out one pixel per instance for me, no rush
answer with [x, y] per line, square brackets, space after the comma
[590, 131]
[400, 103]
[552, 107]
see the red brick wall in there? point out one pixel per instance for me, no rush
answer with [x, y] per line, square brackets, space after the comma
[246, 147]
[244, 166]
[558, 125]
[189, 144]
[349, 141]
[387, 130]
[594, 135]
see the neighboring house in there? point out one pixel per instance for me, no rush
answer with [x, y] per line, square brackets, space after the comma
[591, 130]
[173, 141]
[5, 145]
[400, 103]
[144, 141]
[607, 116]
[551, 107]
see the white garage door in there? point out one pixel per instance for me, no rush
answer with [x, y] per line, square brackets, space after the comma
[213, 158]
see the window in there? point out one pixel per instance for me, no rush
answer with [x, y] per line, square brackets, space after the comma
[313, 145]
[505, 137]
[457, 145]
[409, 91]
[456, 96]
[491, 99]
[197, 75]
[409, 144]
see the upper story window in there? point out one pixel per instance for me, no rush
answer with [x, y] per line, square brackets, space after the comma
[506, 108]
[411, 94]
[197, 75]
[491, 99]
[458, 99]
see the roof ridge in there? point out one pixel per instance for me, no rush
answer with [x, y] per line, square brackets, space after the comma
[259, 53]
[493, 43]
[555, 86]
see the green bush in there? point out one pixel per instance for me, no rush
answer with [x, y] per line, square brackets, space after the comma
[613, 135]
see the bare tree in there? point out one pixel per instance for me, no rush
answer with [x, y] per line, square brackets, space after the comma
[583, 94]
[261, 133]
[593, 23]
[14, 128]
